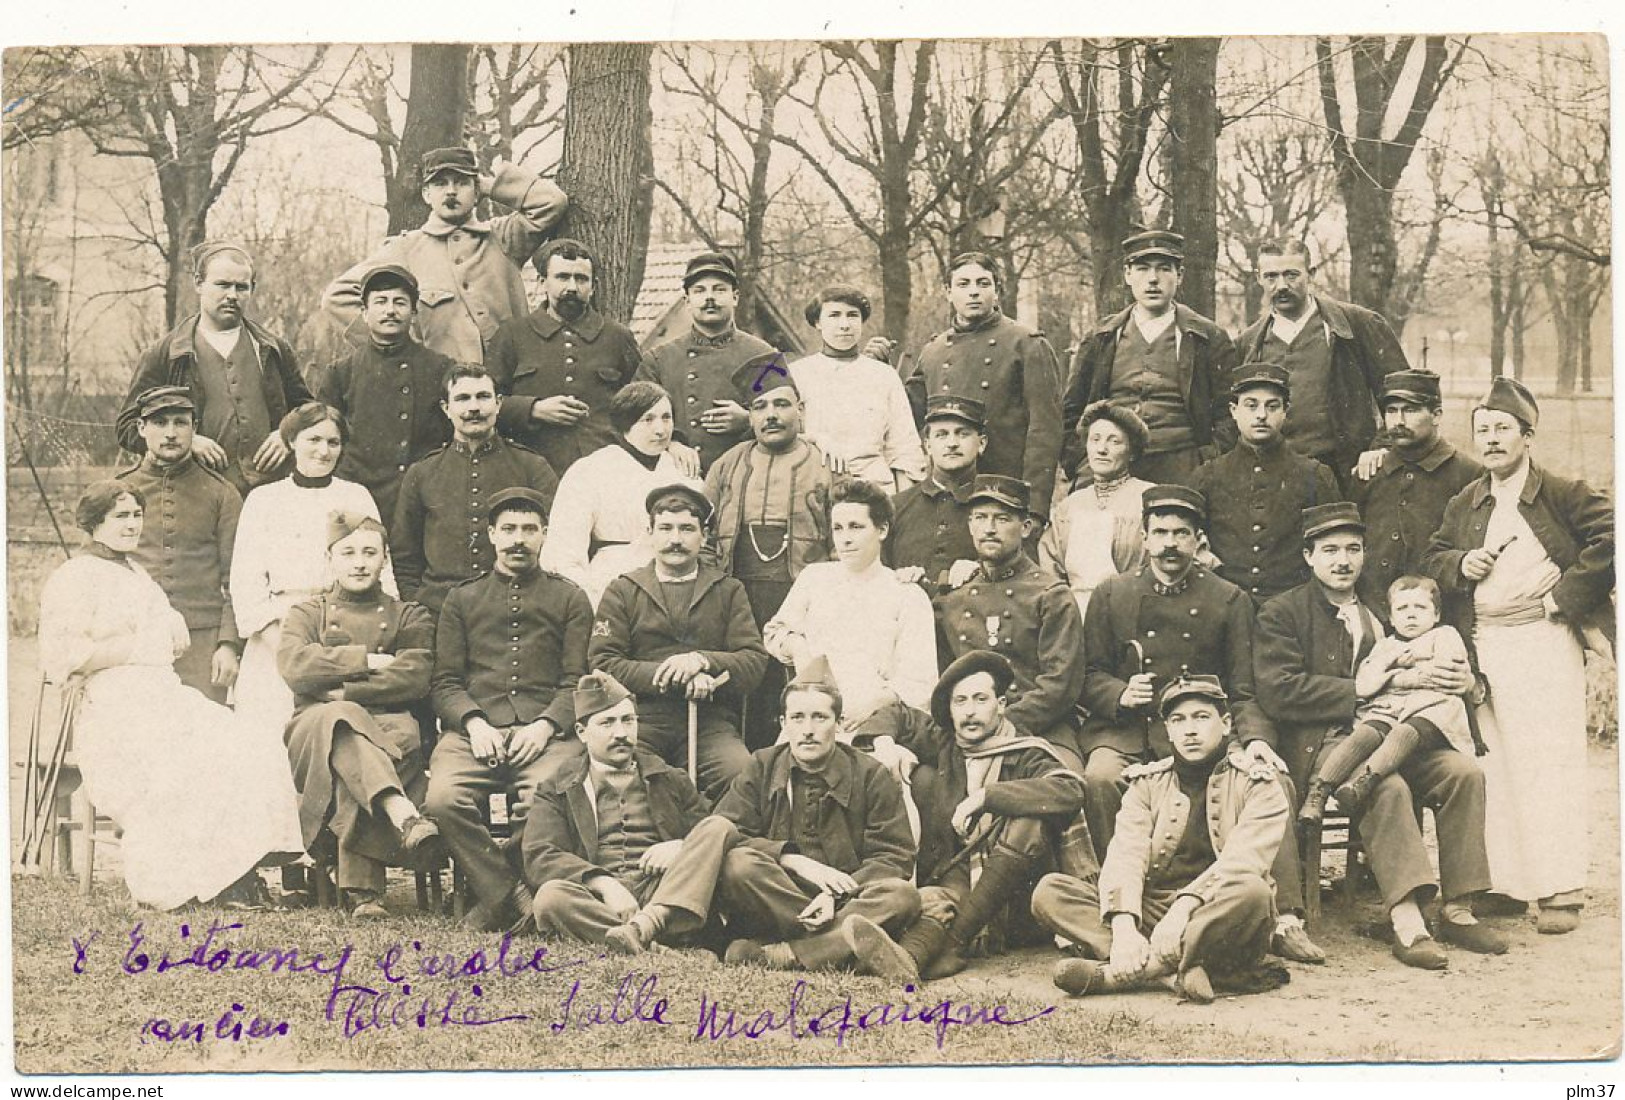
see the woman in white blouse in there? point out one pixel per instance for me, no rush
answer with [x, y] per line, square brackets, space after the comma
[599, 528]
[1098, 532]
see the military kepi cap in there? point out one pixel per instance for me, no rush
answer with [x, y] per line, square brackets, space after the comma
[597, 691]
[1249, 375]
[949, 406]
[682, 491]
[711, 263]
[1420, 387]
[160, 398]
[1154, 242]
[977, 660]
[1008, 491]
[761, 373]
[1186, 687]
[454, 159]
[518, 497]
[1336, 516]
[343, 523]
[1175, 498]
[1511, 396]
[390, 277]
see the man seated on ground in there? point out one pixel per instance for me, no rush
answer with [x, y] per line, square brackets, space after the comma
[819, 841]
[1013, 802]
[357, 660]
[606, 835]
[1198, 880]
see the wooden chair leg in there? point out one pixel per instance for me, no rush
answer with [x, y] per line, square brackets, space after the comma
[435, 892]
[420, 883]
[87, 829]
[459, 891]
[1310, 850]
[1353, 870]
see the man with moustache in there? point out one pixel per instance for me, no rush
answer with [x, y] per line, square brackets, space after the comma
[558, 368]
[389, 390]
[1159, 358]
[930, 531]
[605, 846]
[1185, 885]
[241, 377]
[467, 267]
[1013, 607]
[186, 541]
[440, 530]
[1255, 489]
[699, 368]
[1336, 355]
[509, 647]
[1404, 498]
[1310, 641]
[1012, 802]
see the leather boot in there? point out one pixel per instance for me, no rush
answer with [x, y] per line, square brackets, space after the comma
[1314, 802]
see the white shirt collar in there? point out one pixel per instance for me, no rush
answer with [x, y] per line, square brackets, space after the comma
[1512, 487]
[1287, 330]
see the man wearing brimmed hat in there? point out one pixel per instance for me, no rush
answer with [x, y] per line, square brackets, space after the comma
[605, 846]
[1160, 358]
[1336, 353]
[1404, 499]
[242, 378]
[1007, 810]
[1531, 557]
[1184, 887]
[559, 367]
[671, 630]
[1008, 366]
[1014, 607]
[389, 390]
[1256, 490]
[357, 660]
[186, 541]
[467, 268]
[929, 530]
[698, 368]
[442, 513]
[1311, 640]
[510, 647]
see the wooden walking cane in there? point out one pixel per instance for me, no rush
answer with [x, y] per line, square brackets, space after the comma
[694, 732]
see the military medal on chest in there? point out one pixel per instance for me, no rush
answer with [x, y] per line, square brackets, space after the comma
[993, 622]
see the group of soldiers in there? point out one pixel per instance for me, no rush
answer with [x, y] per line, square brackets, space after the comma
[853, 710]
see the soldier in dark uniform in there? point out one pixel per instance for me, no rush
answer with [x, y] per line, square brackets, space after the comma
[1255, 490]
[389, 389]
[1006, 365]
[929, 530]
[510, 647]
[558, 368]
[1163, 360]
[187, 539]
[698, 368]
[1403, 501]
[1014, 607]
[440, 521]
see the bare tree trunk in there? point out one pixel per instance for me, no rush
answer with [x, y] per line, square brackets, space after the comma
[1517, 318]
[607, 167]
[436, 103]
[1193, 129]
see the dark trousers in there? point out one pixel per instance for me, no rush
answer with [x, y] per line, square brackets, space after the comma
[459, 789]
[362, 773]
[1391, 827]
[761, 725]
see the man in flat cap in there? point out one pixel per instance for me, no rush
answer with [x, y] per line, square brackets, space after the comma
[1335, 353]
[1404, 498]
[678, 633]
[1256, 490]
[467, 268]
[510, 647]
[442, 514]
[698, 368]
[1310, 641]
[857, 409]
[1008, 366]
[242, 378]
[357, 660]
[389, 390]
[558, 367]
[604, 840]
[929, 540]
[772, 506]
[186, 541]
[1160, 358]
[1531, 557]
[1011, 802]
[1014, 607]
[1184, 889]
